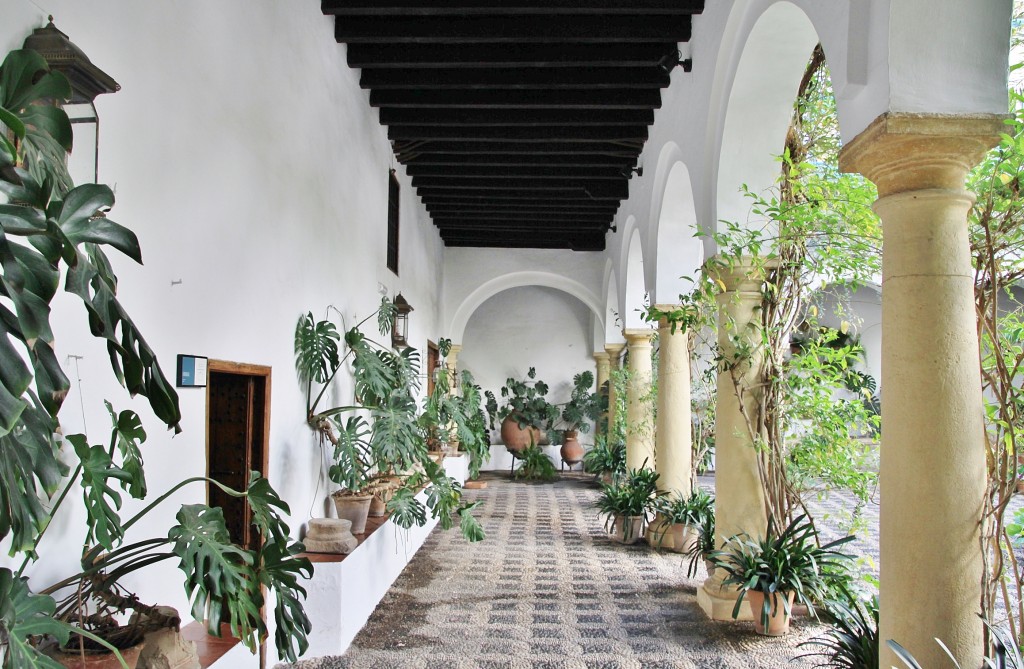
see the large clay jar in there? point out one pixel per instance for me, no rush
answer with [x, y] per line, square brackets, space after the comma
[778, 619]
[105, 660]
[355, 508]
[515, 438]
[572, 450]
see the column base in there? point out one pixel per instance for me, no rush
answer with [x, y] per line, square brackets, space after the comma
[719, 606]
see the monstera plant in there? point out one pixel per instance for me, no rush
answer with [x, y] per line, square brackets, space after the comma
[51, 232]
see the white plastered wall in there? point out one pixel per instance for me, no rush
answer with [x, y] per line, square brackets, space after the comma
[251, 166]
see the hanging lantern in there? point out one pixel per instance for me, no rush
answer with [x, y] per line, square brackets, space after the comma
[400, 325]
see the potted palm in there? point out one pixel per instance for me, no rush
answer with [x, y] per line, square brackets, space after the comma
[774, 571]
[679, 520]
[627, 503]
[582, 409]
[525, 415]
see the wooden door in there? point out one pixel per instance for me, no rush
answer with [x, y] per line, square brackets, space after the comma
[237, 421]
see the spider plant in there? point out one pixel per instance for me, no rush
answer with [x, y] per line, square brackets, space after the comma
[606, 457]
[535, 465]
[852, 640]
[634, 496]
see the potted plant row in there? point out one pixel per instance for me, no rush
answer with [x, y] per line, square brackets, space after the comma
[679, 520]
[381, 434]
[773, 572]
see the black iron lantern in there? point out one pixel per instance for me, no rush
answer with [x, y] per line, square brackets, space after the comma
[400, 325]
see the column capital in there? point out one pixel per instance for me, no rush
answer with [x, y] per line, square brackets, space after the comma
[738, 275]
[601, 356]
[902, 152]
[614, 351]
[638, 336]
[454, 350]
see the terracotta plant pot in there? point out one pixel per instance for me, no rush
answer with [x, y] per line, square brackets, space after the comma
[517, 439]
[572, 449]
[355, 508]
[684, 537]
[778, 620]
[628, 529]
[100, 660]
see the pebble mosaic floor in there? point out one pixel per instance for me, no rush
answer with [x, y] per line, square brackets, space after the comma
[548, 590]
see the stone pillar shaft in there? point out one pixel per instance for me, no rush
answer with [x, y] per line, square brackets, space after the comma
[614, 361]
[932, 454]
[640, 417]
[739, 495]
[603, 374]
[674, 433]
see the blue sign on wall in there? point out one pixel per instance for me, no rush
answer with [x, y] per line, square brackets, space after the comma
[191, 371]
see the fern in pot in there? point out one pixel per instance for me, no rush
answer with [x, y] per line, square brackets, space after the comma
[628, 503]
[773, 572]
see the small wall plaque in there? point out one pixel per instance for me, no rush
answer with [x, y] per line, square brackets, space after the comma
[191, 371]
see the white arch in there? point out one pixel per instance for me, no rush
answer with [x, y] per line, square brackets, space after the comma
[472, 302]
[612, 334]
[635, 282]
[678, 254]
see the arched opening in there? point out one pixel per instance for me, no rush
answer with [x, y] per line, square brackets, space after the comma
[635, 296]
[678, 252]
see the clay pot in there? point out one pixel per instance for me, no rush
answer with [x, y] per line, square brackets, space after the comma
[627, 529]
[515, 438]
[351, 507]
[572, 449]
[100, 660]
[778, 619]
[683, 537]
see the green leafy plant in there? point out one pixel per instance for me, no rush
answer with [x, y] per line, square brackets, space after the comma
[790, 561]
[634, 496]
[525, 400]
[381, 432]
[606, 457]
[479, 447]
[51, 230]
[584, 405]
[535, 465]
[705, 545]
[851, 641]
[689, 510]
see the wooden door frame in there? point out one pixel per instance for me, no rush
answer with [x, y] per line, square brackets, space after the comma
[246, 369]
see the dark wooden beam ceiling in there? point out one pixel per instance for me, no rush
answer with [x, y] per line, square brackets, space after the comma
[519, 121]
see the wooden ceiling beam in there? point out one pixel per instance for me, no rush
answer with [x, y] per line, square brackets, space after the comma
[514, 172]
[559, 29]
[505, 7]
[495, 183]
[576, 241]
[625, 151]
[523, 118]
[522, 55]
[524, 217]
[540, 78]
[557, 133]
[460, 204]
[520, 160]
[591, 193]
[631, 98]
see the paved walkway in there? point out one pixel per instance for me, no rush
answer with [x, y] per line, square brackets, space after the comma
[548, 589]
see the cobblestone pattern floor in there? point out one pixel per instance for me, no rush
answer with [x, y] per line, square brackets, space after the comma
[548, 589]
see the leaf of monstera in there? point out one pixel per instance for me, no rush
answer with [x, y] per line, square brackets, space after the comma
[102, 502]
[24, 615]
[81, 222]
[267, 508]
[280, 569]
[316, 349]
[29, 468]
[406, 511]
[396, 439]
[128, 434]
[220, 579]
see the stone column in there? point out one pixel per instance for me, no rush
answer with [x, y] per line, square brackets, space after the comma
[603, 369]
[932, 454]
[451, 363]
[674, 433]
[640, 417]
[739, 496]
[614, 361]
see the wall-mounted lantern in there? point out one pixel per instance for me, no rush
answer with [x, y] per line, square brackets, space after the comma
[400, 326]
[87, 81]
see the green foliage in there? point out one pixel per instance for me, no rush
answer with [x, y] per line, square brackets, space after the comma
[691, 510]
[605, 457]
[24, 616]
[584, 406]
[474, 436]
[636, 494]
[705, 545]
[851, 642]
[525, 400]
[781, 562]
[383, 430]
[535, 465]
